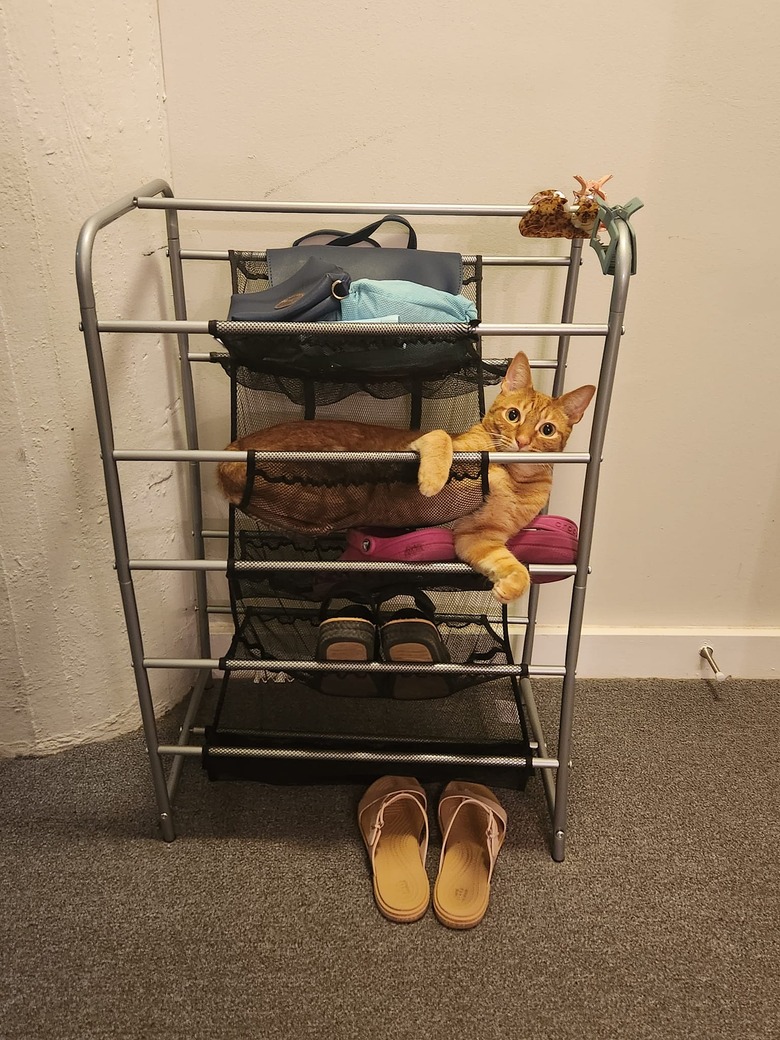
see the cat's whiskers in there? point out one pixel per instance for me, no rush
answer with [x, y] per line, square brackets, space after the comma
[504, 443]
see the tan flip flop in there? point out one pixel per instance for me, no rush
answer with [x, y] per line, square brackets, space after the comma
[393, 821]
[473, 827]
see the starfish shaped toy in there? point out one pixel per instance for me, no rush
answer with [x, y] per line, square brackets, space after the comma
[591, 187]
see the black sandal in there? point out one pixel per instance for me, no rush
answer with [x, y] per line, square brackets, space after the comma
[410, 636]
[347, 633]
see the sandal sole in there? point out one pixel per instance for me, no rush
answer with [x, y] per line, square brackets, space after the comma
[425, 648]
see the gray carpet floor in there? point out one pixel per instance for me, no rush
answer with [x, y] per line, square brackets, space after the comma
[258, 921]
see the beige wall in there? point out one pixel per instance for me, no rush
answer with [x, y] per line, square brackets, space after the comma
[397, 102]
[439, 102]
[82, 123]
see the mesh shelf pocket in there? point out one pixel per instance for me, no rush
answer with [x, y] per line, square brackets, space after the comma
[289, 733]
[315, 364]
[319, 497]
[285, 631]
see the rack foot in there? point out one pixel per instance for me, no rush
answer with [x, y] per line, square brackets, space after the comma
[167, 830]
[559, 846]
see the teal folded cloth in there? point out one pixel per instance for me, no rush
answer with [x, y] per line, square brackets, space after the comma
[405, 302]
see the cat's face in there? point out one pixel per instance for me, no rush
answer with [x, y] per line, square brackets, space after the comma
[523, 419]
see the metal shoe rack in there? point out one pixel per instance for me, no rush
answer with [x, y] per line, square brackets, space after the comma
[232, 749]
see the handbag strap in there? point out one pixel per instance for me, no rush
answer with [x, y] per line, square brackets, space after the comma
[345, 238]
[335, 241]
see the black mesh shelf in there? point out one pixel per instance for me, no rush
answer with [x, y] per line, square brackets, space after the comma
[284, 732]
[316, 364]
[284, 632]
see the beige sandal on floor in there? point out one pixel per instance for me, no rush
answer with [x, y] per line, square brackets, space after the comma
[473, 827]
[394, 824]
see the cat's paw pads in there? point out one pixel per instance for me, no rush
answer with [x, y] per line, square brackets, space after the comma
[512, 586]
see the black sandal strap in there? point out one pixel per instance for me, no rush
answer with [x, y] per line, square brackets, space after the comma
[358, 604]
[423, 604]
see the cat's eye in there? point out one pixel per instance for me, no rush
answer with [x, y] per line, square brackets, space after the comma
[548, 429]
[512, 414]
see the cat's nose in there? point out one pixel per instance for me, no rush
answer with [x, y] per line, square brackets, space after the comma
[522, 441]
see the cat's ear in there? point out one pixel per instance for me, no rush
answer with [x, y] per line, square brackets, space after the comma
[575, 402]
[518, 375]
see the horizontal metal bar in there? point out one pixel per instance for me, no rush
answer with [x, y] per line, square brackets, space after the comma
[247, 206]
[381, 667]
[261, 254]
[563, 329]
[180, 749]
[358, 566]
[512, 619]
[190, 328]
[204, 254]
[526, 261]
[487, 261]
[201, 328]
[215, 355]
[240, 665]
[536, 458]
[351, 754]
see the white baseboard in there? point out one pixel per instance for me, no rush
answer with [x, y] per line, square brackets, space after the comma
[660, 653]
[666, 653]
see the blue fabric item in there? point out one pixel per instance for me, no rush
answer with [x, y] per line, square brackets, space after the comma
[405, 301]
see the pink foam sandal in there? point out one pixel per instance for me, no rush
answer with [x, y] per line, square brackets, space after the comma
[423, 545]
[547, 539]
[473, 827]
[393, 820]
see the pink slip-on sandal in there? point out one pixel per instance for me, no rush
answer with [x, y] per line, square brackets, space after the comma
[548, 539]
[393, 821]
[473, 828]
[423, 545]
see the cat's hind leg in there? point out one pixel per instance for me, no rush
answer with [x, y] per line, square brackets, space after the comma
[435, 451]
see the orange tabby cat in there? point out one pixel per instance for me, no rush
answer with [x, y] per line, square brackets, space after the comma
[520, 419]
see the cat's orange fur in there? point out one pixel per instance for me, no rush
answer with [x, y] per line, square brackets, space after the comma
[520, 419]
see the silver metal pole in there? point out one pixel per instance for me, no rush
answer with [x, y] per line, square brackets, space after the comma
[240, 665]
[487, 261]
[323, 754]
[174, 774]
[621, 281]
[252, 206]
[567, 314]
[567, 317]
[89, 325]
[191, 427]
[561, 570]
[504, 457]
[345, 328]
[537, 729]
[180, 751]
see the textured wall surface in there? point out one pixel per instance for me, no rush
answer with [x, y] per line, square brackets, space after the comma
[83, 122]
[384, 102]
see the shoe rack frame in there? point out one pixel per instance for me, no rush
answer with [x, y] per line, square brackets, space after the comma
[167, 761]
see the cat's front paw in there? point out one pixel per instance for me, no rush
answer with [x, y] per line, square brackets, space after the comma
[512, 585]
[430, 484]
[435, 451]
